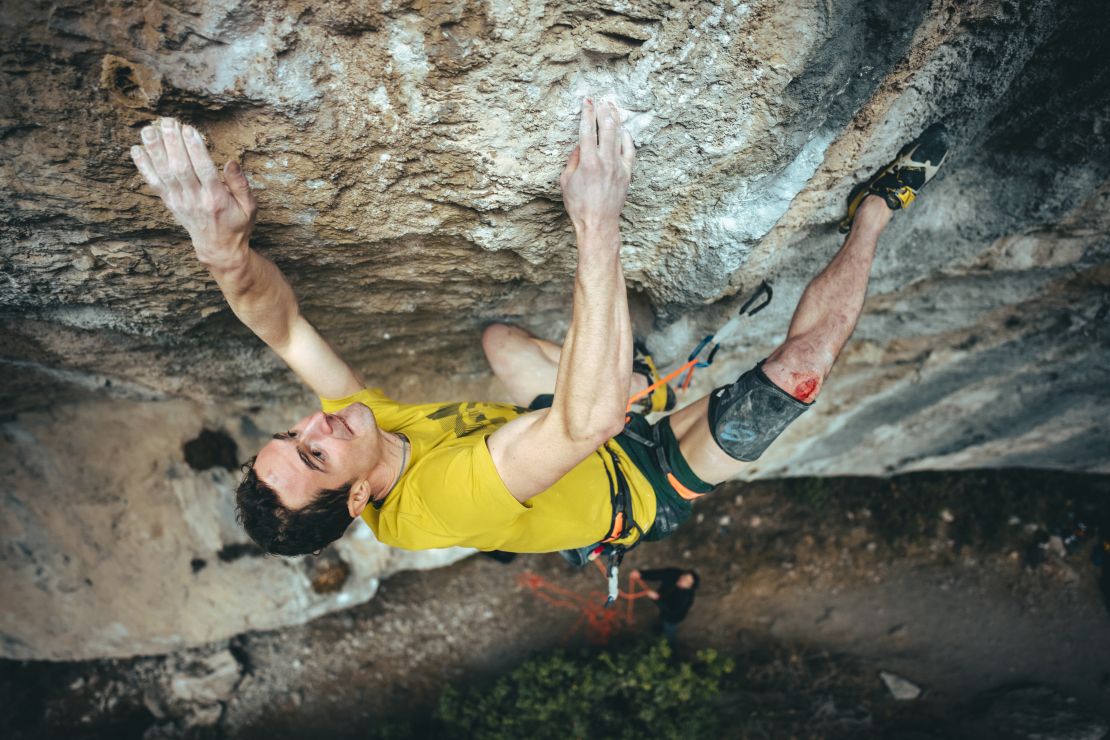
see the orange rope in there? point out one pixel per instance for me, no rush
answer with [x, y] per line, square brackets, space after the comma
[663, 381]
[637, 589]
[600, 623]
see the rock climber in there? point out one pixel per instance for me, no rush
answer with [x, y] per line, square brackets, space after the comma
[674, 596]
[569, 475]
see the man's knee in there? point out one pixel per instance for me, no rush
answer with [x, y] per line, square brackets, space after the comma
[747, 416]
[492, 336]
[511, 350]
[799, 370]
[498, 340]
[802, 385]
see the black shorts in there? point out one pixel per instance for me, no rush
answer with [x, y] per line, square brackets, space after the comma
[653, 449]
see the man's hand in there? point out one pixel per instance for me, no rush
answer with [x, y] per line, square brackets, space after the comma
[595, 181]
[218, 215]
[638, 577]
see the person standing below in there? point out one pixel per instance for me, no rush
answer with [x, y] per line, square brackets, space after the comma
[674, 596]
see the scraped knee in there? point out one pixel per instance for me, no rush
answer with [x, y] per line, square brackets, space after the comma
[798, 370]
[803, 386]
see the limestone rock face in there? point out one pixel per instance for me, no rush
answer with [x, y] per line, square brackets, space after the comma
[405, 156]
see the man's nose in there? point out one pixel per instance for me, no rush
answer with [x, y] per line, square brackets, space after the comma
[319, 423]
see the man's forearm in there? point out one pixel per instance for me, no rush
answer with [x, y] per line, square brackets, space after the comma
[591, 392]
[259, 295]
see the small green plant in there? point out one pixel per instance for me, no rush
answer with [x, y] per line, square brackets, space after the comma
[638, 692]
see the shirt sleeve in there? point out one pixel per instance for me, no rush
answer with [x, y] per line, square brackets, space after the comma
[388, 414]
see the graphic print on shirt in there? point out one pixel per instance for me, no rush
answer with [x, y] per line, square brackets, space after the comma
[467, 418]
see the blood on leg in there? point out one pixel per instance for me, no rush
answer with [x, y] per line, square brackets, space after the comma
[799, 367]
[804, 386]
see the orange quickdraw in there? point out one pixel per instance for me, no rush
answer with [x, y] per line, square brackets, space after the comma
[706, 346]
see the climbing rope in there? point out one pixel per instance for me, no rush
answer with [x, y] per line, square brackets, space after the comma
[600, 623]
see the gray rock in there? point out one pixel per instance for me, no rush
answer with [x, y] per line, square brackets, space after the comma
[900, 688]
[204, 715]
[207, 681]
[406, 170]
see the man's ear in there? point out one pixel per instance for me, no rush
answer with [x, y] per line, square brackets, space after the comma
[358, 498]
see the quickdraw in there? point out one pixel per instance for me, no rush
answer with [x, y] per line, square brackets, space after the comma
[706, 351]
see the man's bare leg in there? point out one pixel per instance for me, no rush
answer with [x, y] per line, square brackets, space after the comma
[822, 323]
[526, 364]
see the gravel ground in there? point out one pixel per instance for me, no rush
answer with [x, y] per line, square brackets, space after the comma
[816, 585]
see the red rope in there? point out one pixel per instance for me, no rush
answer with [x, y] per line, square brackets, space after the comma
[601, 623]
[632, 584]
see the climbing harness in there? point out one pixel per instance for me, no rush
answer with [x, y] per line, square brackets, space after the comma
[623, 524]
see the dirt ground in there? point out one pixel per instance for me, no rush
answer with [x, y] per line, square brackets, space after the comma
[938, 578]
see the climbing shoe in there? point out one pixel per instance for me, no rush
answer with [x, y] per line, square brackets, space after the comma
[899, 182]
[660, 399]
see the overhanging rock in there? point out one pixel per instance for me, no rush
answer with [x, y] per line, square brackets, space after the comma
[405, 158]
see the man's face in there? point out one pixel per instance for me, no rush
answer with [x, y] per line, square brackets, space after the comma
[686, 580]
[320, 451]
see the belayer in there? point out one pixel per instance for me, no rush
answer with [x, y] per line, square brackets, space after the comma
[674, 595]
[560, 470]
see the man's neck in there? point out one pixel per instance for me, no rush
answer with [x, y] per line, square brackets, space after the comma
[394, 458]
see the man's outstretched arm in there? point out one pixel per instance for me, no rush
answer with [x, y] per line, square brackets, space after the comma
[591, 392]
[219, 216]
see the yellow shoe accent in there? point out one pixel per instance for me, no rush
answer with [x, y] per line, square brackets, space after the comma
[855, 204]
[845, 224]
[905, 195]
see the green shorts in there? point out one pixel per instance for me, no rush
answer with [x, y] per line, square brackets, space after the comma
[653, 449]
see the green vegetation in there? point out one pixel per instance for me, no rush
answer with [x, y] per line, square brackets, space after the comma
[766, 689]
[634, 693]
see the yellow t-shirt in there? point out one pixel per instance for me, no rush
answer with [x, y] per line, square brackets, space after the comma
[451, 494]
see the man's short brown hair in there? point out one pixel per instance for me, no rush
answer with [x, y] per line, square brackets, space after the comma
[283, 531]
